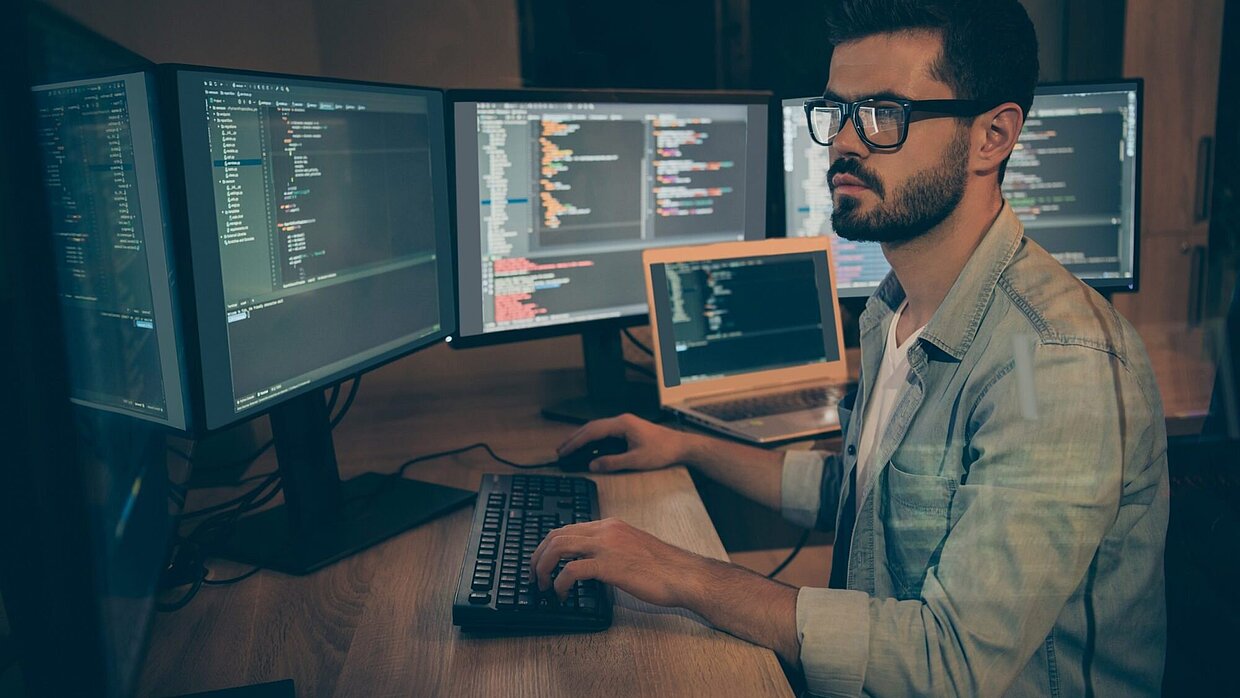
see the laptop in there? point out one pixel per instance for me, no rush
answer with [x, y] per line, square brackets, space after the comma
[747, 337]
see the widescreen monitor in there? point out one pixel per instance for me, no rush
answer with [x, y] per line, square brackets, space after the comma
[104, 189]
[318, 232]
[558, 193]
[1073, 180]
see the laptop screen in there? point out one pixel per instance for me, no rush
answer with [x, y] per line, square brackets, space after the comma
[741, 315]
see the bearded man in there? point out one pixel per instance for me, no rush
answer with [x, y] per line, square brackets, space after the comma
[1000, 502]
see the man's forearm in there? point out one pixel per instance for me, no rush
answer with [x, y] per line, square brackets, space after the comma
[753, 472]
[747, 605]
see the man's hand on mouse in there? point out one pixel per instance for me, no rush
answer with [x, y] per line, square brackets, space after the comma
[650, 446]
[616, 553]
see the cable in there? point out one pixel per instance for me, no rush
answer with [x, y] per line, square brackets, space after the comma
[230, 503]
[250, 501]
[348, 401]
[221, 517]
[259, 476]
[331, 404]
[400, 472]
[232, 580]
[637, 342]
[181, 602]
[331, 401]
[639, 368]
[791, 556]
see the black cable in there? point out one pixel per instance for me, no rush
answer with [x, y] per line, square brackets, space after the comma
[259, 476]
[176, 493]
[331, 401]
[248, 502]
[637, 342]
[232, 580]
[400, 472]
[271, 477]
[348, 401]
[183, 601]
[788, 560]
[225, 514]
[639, 368]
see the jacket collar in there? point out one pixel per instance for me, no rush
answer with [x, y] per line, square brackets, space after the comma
[954, 325]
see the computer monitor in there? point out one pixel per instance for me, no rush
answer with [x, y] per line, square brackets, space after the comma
[104, 191]
[1074, 180]
[558, 192]
[83, 491]
[317, 226]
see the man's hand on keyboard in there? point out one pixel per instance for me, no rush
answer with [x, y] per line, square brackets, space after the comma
[732, 598]
[616, 553]
[650, 446]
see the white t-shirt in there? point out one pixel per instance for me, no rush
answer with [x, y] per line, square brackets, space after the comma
[884, 396]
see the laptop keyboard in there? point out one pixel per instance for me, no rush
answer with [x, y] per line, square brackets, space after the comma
[774, 403]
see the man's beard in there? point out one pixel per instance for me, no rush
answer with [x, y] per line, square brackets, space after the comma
[925, 201]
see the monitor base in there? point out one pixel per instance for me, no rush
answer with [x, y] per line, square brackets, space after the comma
[638, 398]
[374, 508]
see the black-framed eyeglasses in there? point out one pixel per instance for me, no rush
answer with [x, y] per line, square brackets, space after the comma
[882, 123]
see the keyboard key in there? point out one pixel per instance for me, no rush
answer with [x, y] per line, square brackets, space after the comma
[479, 598]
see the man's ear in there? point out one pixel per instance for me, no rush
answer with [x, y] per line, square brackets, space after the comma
[1002, 127]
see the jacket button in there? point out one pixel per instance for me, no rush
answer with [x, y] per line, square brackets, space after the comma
[852, 450]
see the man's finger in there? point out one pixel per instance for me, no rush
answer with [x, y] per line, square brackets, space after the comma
[598, 429]
[559, 548]
[610, 464]
[575, 571]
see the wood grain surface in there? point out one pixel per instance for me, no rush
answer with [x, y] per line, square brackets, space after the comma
[379, 623]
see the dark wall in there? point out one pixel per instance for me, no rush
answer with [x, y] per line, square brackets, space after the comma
[745, 44]
[635, 44]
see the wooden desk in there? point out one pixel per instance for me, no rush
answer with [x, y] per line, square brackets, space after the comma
[379, 623]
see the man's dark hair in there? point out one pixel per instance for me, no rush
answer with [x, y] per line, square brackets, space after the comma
[990, 50]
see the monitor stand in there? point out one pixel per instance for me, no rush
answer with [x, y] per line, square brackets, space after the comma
[324, 519]
[607, 392]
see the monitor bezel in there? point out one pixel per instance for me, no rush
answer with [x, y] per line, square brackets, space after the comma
[755, 98]
[160, 140]
[201, 270]
[1102, 285]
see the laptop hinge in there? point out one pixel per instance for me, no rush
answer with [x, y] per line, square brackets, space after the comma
[772, 388]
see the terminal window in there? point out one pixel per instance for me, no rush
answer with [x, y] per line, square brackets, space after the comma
[91, 177]
[326, 227]
[569, 194]
[741, 315]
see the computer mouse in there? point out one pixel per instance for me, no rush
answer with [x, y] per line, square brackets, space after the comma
[579, 460]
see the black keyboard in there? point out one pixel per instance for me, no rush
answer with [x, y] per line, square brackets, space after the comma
[496, 591]
[775, 403]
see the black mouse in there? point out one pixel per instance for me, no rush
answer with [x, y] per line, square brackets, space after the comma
[579, 460]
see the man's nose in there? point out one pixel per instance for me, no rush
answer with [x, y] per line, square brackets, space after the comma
[847, 142]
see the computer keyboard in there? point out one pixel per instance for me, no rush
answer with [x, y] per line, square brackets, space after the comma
[775, 403]
[496, 590]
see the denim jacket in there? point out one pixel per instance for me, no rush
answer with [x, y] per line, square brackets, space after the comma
[1009, 539]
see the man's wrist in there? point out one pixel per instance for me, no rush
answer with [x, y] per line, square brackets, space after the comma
[743, 603]
[693, 450]
[692, 586]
